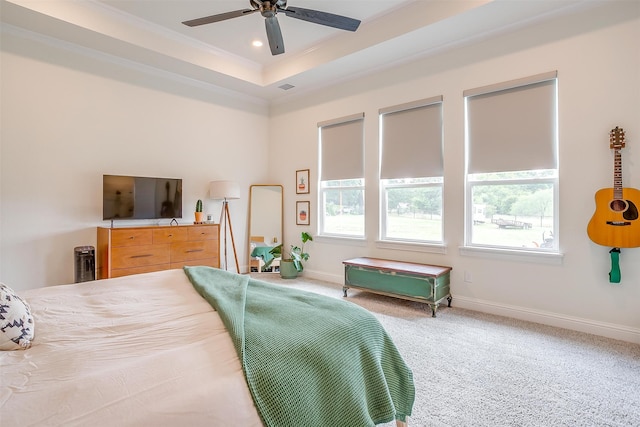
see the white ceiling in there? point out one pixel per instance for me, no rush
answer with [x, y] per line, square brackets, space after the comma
[149, 33]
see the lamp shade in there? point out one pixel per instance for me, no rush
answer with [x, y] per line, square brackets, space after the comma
[221, 190]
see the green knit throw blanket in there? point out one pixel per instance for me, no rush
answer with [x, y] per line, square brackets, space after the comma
[309, 360]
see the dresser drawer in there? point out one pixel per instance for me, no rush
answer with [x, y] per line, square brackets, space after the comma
[185, 251]
[119, 272]
[131, 237]
[169, 234]
[210, 262]
[138, 256]
[203, 232]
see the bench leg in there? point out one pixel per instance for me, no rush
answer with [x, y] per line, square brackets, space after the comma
[449, 298]
[344, 291]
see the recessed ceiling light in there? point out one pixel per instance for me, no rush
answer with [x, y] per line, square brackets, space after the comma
[257, 43]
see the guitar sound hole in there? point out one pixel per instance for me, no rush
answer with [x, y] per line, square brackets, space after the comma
[618, 205]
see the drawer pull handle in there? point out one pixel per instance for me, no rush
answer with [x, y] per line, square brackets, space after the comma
[132, 237]
[141, 256]
[194, 250]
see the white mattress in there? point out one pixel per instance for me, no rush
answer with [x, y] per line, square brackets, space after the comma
[135, 350]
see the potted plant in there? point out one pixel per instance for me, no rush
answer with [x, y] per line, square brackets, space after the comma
[198, 213]
[292, 261]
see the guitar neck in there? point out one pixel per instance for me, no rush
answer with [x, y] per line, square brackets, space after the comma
[617, 175]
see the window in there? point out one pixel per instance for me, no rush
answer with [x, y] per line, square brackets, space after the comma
[512, 165]
[411, 172]
[341, 194]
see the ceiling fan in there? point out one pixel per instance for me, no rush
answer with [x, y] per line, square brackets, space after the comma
[269, 9]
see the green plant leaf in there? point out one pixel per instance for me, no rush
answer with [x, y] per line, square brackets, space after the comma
[295, 253]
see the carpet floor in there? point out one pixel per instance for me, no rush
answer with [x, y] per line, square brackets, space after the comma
[476, 369]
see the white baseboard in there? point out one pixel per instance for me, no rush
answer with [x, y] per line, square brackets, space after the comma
[332, 278]
[609, 330]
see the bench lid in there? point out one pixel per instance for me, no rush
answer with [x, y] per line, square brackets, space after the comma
[399, 266]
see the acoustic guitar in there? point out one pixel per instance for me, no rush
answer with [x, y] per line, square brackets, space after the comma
[615, 222]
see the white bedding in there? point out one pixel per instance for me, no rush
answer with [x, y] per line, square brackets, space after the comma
[135, 350]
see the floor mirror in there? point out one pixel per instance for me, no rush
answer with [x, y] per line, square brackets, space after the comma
[265, 226]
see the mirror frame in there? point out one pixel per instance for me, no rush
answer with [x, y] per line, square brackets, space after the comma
[268, 239]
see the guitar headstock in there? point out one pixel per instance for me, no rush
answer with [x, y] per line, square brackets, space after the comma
[616, 138]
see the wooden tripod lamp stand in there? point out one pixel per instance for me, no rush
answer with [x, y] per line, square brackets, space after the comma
[225, 191]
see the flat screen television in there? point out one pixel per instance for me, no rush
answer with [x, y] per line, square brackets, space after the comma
[135, 197]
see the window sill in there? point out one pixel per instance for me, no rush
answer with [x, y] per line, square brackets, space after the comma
[412, 247]
[553, 258]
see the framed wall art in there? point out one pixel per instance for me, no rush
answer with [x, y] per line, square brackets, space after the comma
[303, 213]
[302, 181]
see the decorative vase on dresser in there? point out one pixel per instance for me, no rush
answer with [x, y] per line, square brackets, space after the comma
[132, 250]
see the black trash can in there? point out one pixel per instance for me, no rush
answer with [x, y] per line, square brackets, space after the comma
[85, 263]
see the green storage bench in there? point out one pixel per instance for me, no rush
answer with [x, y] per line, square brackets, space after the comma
[406, 280]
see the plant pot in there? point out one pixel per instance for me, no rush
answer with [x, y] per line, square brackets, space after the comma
[288, 269]
[199, 217]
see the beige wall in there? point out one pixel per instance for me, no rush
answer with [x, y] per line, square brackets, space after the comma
[68, 117]
[597, 57]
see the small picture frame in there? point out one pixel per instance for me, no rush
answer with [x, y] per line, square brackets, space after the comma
[302, 181]
[303, 214]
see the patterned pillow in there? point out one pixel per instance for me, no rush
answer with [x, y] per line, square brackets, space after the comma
[16, 321]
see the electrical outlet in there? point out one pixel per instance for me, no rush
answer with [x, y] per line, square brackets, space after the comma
[468, 277]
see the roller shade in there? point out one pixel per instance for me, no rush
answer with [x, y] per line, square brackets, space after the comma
[342, 148]
[512, 126]
[411, 142]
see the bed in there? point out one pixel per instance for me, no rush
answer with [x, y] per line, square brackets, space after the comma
[178, 347]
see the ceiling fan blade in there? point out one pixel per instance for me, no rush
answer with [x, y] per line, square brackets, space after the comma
[322, 18]
[274, 35]
[219, 17]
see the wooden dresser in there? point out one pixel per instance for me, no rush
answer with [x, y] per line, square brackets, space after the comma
[133, 250]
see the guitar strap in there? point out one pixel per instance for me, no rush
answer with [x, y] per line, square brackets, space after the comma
[614, 274]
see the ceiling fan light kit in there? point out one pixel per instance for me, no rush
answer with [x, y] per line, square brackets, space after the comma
[269, 10]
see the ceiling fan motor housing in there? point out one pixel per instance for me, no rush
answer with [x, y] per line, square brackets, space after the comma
[268, 9]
